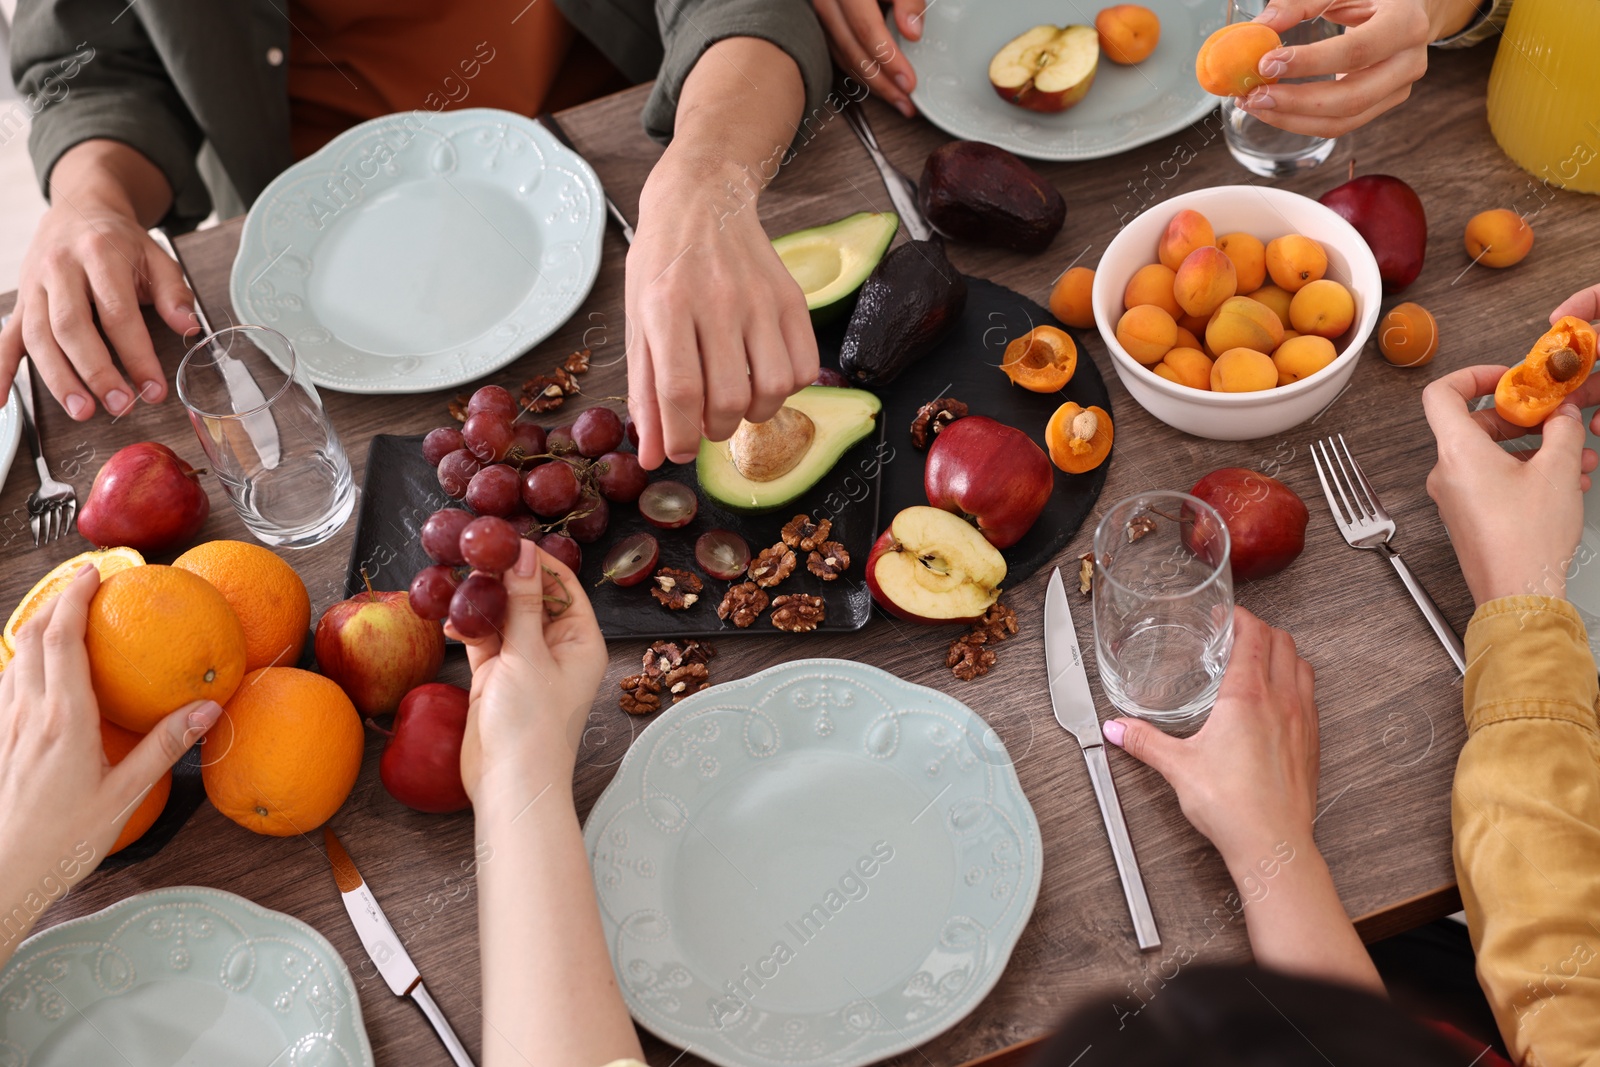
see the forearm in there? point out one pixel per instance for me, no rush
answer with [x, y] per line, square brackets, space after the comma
[549, 992]
[109, 175]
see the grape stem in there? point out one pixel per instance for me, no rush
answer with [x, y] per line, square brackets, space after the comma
[561, 605]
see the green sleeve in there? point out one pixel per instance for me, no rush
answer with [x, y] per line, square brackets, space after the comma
[86, 69]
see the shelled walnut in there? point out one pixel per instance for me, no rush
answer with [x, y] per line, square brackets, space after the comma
[665, 656]
[689, 678]
[802, 534]
[997, 624]
[798, 612]
[969, 657]
[676, 589]
[932, 417]
[772, 565]
[641, 694]
[577, 363]
[743, 604]
[830, 560]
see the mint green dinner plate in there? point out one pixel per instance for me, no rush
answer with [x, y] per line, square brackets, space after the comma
[818, 864]
[184, 976]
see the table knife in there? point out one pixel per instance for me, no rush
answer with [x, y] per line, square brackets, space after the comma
[383, 946]
[243, 391]
[1074, 708]
[902, 190]
[548, 121]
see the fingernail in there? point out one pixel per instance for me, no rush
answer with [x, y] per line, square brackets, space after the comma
[203, 717]
[116, 401]
[76, 405]
[1113, 729]
[150, 390]
[185, 311]
[904, 83]
[85, 569]
[1272, 68]
[905, 108]
[1570, 411]
[1259, 100]
[527, 560]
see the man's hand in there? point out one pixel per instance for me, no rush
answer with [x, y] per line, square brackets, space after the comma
[858, 37]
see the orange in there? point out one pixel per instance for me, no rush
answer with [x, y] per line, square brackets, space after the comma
[285, 753]
[264, 591]
[107, 560]
[159, 637]
[118, 743]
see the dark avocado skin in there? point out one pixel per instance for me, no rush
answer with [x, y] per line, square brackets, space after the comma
[910, 300]
[976, 192]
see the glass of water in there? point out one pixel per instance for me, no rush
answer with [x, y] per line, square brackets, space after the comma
[1163, 606]
[1262, 148]
[266, 435]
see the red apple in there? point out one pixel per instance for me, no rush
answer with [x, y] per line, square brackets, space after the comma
[1388, 214]
[378, 649]
[992, 473]
[421, 763]
[931, 566]
[1266, 520]
[1048, 68]
[145, 497]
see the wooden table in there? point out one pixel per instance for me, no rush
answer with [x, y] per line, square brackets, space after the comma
[1389, 699]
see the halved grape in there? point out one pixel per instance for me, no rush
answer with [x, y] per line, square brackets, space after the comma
[431, 591]
[558, 442]
[490, 543]
[456, 471]
[527, 441]
[478, 607]
[441, 535]
[722, 554]
[829, 376]
[494, 399]
[440, 443]
[488, 436]
[597, 431]
[563, 548]
[631, 560]
[668, 504]
[620, 477]
[590, 518]
[551, 489]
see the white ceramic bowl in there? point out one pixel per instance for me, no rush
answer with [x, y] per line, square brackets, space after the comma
[1267, 213]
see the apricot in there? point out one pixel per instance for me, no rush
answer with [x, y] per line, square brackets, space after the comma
[1204, 280]
[1147, 332]
[1276, 299]
[1323, 307]
[1069, 300]
[1288, 335]
[1187, 339]
[1558, 363]
[1152, 284]
[1249, 257]
[1295, 261]
[1078, 438]
[1229, 62]
[1195, 324]
[1243, 370]
[1186, 366]
[1041, 360]
[1128, 33]
[1244, 323]
[1302, 356]
[1408, 336]
[1187, 231]
[1499, 238]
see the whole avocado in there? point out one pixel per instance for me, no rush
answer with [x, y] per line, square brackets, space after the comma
[976, 192]
[905, 306]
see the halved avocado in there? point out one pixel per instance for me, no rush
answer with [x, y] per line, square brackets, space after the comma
[830, 262]
[788, 454]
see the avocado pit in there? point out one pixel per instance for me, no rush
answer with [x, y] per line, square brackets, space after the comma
[766, 451]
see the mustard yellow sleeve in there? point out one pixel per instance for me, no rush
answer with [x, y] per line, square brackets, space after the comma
[1526, 811]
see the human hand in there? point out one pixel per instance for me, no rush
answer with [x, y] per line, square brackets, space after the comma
[91, 257]
[64, 802]
[718, 328]
[1247, 779]
[858, 37]
[1514, 518]
[532, 685]
[1584, 304]
[1383, 50]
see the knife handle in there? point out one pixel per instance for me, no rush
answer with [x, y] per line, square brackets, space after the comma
[1105, 792]
[452, 1043]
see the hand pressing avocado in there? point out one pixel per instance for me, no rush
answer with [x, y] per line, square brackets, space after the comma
[766, 466]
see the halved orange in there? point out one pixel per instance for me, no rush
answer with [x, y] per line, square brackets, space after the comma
[1041, 360]
[107, 560]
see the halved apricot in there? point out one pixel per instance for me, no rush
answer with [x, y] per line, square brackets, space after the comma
[1079, 438]
[1041, 360]
[1556, 365]
[1408, 336]
[1069, 300]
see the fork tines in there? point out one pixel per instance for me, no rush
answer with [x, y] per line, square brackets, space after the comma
[1362, 515]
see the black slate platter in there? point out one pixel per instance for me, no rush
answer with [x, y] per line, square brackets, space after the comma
[400, 489]
[187, 794]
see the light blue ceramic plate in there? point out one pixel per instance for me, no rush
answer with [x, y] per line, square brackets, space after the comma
[1125, 106]
[421, 250]
[180, 976]
[818, 864]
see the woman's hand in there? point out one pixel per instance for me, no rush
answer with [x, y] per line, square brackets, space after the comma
[1584, 304]
[1514, 518]
[858, 37]
[1383, 50]
[1248, 779]
[64, 802]
[532, 685]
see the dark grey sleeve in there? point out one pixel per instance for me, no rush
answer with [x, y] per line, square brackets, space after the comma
[689, 27]
[86, 69]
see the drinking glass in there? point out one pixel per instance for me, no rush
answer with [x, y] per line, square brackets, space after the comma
[1163, 606]
[1262, 148]
[266, 436]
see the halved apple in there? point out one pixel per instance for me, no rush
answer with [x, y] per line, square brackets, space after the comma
[1049, 68]
[935, 567]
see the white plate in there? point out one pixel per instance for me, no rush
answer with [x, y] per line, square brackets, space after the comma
[421, 250]
[180, 976]
[818, 864]
[10, 435]
[1125, 107]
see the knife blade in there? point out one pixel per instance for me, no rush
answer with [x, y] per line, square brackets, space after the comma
[548, 121]
[1074, 710]
[902, 190]
[243, 392]
[384, 947]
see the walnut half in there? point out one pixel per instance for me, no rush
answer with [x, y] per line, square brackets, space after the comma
[802, 534]
[798, 613]
[772, 565]
[932, 417]
[830, 560]
[677, 589]
[743, 604]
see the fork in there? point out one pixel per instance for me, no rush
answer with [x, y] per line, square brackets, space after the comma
[54, 505]
[1365, 524]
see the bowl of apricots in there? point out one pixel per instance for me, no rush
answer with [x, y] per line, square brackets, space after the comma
[1238, 311]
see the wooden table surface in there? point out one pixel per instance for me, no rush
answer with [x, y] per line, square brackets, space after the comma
[1389, 699]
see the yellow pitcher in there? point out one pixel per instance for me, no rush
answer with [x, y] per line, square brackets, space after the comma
[1544, 91]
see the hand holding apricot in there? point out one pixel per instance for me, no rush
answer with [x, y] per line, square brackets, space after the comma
[1558, 364]
[1584, 304]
